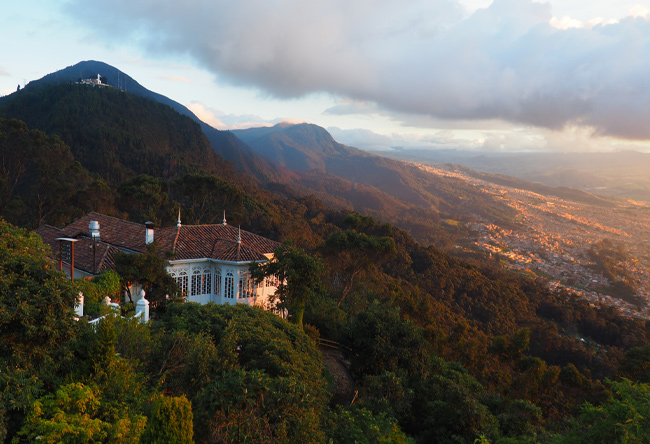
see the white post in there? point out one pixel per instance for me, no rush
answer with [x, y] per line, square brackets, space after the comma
[142, 308]
[79, 306]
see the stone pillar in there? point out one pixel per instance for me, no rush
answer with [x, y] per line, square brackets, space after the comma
[79, 306]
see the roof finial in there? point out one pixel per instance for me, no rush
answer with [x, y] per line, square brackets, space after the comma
[239, 245]
[178, 222]
[224, 217]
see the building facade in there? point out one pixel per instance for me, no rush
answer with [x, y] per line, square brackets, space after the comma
[209, 262]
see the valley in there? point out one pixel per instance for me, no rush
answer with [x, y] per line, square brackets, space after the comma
[553, 237]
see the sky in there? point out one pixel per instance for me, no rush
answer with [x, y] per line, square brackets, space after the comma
[502, 75]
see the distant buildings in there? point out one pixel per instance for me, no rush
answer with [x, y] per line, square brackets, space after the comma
[93, 81]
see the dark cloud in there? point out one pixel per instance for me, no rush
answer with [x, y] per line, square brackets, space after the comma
[419, 57]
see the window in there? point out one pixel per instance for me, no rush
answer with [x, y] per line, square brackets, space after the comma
[271, 281]
[201, 281]
[181, 278]
[246, 286]
[230, 284]
[217, 282]
[195, 289]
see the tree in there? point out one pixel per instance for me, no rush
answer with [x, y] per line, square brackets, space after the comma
[73, 415]
[625, 418]
[144, 198]
[262, 382]
[36, 320]
[149, 270]
[207, 197]
[352, 255]
[636, 365]
[299, 278]
[382, 341]
[361, 426]
[170, 421]
[97, 289]
[39, 179]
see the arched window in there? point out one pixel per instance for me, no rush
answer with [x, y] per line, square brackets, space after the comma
[201, 280]
[230, 284]
[206, 282]
[217, 282]
[246, 285]
[181, 278]
[195, 288]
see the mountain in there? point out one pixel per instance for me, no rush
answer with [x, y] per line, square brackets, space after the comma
[302, 147]
[113, 134]
[311, 150]
[222, 142]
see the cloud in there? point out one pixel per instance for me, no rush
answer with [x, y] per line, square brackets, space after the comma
[508, 61]
[222, 121]
[347, 107]
[176, 79]
[361, 138]
[573, 139]
[368, 140]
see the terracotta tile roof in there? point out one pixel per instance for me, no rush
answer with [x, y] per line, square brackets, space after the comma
[102, 260]
[219, 242]
[118, 232]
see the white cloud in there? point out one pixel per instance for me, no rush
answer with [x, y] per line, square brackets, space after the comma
[176, 79]
[511, 60]
[222, 121]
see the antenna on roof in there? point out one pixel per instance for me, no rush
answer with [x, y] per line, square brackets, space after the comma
[239, 236]
[224, 217]
[178, 222]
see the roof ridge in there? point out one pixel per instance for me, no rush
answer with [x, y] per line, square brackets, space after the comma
[178, 232]
[103, 258]
[114, 218]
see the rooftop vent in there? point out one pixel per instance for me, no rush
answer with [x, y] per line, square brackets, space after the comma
[94, 230]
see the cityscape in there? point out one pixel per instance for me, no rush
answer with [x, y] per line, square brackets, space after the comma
[553, 237]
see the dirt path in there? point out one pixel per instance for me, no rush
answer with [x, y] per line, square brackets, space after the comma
[344, 387]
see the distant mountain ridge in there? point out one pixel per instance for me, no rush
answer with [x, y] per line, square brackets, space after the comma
[301, 147]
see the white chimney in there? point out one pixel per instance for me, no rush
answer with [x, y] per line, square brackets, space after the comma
[94, 230]
[148, 235]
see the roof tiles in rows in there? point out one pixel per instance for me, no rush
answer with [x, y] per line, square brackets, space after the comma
[221, 242]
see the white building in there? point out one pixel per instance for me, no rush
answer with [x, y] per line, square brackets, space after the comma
[209, 262]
